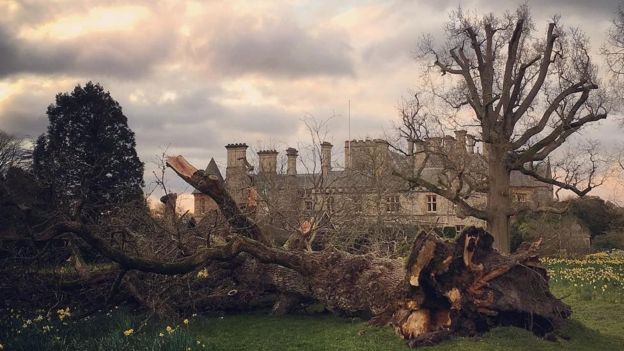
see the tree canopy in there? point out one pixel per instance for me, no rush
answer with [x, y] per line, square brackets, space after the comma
[88, 155]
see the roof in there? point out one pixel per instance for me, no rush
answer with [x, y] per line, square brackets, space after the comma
[520, 179]
[354, 178]
[211, 169]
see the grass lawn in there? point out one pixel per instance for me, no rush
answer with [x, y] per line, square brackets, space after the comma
[594, 288]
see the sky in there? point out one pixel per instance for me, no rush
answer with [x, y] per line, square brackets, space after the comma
[193, 76]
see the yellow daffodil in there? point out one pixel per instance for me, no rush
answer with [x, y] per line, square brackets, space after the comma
[128, 332]
[63, 313]
[202, 274]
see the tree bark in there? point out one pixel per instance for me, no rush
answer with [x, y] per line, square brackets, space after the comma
[499, 198]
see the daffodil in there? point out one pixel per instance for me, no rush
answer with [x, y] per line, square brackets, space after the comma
[63, 313]
[202, 274]
[186, 321]
[128, 332]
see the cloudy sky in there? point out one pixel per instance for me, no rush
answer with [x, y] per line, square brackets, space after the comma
[196, 75]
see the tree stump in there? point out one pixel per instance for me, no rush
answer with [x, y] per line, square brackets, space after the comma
[466, 287]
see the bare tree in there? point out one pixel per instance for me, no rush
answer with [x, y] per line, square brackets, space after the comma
[524, 95]
[12, 151]
[613, 49]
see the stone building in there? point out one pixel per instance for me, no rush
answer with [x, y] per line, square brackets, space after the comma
[365, 188]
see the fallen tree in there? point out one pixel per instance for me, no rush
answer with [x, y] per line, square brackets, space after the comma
[444, 289]
[463, 287]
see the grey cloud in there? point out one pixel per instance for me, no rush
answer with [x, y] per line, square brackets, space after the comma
[38, 11]
[396, 48]
[24, 115]
[401, 44]
[117, 55]
[584, 7]
[190, 107]
[269, 121]
[282, 49]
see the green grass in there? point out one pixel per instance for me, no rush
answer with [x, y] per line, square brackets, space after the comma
[597, 324]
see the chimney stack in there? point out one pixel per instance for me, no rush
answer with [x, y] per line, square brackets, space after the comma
[434, 144]
[326, 150]
[448, 142]
[291, 153]
[236, 172]
[420, 154]
[236, 155]
[268, 161]
[347, 152]
[470, 143]
[460, 139]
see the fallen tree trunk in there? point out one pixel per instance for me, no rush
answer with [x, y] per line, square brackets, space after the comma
[447, 288]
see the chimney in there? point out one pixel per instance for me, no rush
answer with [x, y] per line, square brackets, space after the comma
[410, 147]
[449, 142]
[236, 160]
[470, 143]
[460, 139]
[236, 155]
[347, 152]
[419, 154]
[326, 150]
[291, 153]
[435, 144]
[268, 161]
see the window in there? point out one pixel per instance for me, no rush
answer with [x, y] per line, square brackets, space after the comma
[521, 197]
[392, 203]
[309, 205]
[432, 203]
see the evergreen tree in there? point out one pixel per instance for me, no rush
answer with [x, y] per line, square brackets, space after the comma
[88, 157]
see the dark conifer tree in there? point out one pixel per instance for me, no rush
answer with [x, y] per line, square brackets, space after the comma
[88, 155]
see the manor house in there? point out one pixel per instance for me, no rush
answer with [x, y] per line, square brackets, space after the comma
[366, 187]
